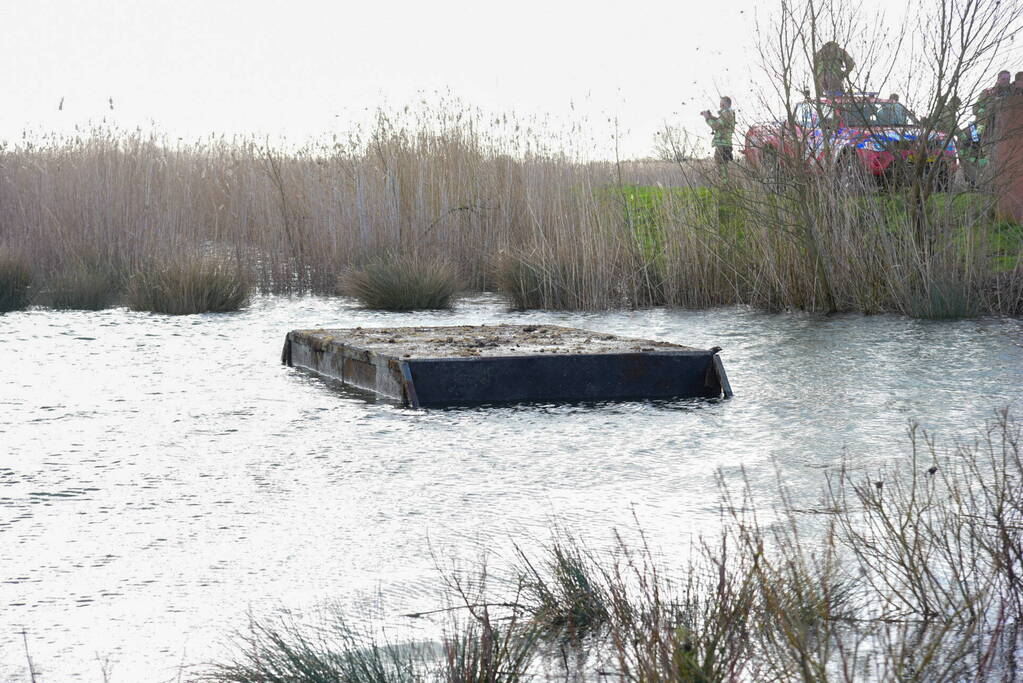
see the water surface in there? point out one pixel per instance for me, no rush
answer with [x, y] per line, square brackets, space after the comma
[162, 476]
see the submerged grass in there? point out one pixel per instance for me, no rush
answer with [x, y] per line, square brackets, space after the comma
[185, 286]
[15, 282]
[402, 282]
[909, 573]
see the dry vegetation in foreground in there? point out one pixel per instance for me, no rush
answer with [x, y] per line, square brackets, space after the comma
[910, 574]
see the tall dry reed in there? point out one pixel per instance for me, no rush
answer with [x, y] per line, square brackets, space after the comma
[15, 282]
[553, 230]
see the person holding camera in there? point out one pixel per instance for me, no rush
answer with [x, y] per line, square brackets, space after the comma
[723, 126]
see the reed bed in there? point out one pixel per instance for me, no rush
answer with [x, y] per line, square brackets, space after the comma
[913, 572]
[508, 209]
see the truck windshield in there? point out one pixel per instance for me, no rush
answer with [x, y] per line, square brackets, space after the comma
[865, 114]
[894, 114]
[857, 114]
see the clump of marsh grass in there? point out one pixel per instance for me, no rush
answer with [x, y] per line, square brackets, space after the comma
[477, 647]
[402, 282]
[520, 281]
[84, 287]
[564, 591]
[15, 282]
[284, 650]
[481, 652]
[184, 286]
[560, 281]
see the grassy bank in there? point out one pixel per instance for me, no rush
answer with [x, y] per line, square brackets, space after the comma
[505, 210]
[909, 573]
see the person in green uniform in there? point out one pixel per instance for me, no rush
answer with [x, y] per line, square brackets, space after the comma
[983, 107]
[831, 68]
[723, 126]
[984, 127]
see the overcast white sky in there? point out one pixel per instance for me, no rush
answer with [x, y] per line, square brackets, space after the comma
[306, 67]
[309, 67]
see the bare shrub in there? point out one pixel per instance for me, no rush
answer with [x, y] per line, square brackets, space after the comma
[478, 650]
[696, 629]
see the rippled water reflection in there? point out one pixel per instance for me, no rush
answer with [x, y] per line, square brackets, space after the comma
[160, 476]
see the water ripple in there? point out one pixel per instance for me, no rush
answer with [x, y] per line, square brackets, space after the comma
[159, 476]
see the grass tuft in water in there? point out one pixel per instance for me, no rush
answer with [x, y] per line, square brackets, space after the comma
[402, 282]
[15, 282]
[185, 286]
[480, 652]
[520, 281]
[551, 281]
[83, 287]
[565, 594]
[283, 650]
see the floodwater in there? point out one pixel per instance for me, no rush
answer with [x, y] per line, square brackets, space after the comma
[162, 477]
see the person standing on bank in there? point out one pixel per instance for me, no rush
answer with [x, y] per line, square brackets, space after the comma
[723, 126]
